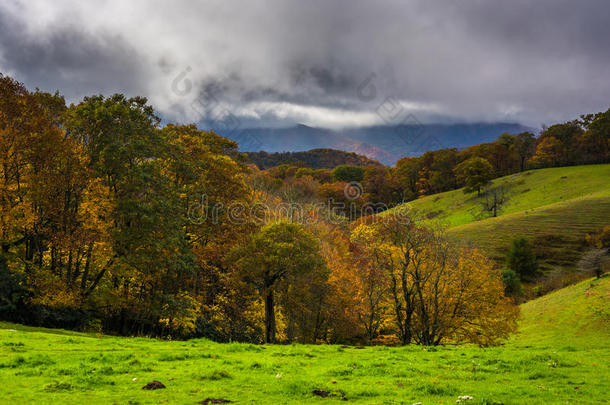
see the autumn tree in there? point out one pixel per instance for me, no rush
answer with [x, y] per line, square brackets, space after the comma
[557, 145]
[497, 153]
[209, 183]
[594, 144]
[53, 104]
[149, 252]
[367, 284]
[549, 152]
[443, 177]
[441, 291]
[344, 304]
[348, 173]
[524, 145]
[600, 239]
[343, 198]
[393, 244]
[406, 171]
[274, 257]
[26, 148]
[423, 182]
[475, 173]
[381, 188]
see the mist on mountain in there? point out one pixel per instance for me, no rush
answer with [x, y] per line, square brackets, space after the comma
[385, 143]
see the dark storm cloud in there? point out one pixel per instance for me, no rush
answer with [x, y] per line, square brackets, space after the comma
[279, 62]
[69, 59]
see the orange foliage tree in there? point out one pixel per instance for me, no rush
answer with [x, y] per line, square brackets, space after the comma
[440, 291]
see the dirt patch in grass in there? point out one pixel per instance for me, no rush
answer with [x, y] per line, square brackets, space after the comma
[153, 385]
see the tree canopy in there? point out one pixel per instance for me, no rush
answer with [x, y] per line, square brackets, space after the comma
[111, 221]
[280, 253]
[475, 173]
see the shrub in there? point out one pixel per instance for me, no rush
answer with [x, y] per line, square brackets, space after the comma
[512, 283]
[521, 258]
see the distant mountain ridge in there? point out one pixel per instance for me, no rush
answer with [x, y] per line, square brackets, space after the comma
[384, 143]
[315, 158]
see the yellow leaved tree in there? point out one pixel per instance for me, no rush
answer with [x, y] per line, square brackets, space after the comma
[440, 291]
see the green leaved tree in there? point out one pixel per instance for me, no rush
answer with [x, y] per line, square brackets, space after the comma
[521, 258]
[279, 253]
[475, 173]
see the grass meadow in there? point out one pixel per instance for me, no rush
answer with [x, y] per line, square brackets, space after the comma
[553, 208]
[561, 355]
[526, 191]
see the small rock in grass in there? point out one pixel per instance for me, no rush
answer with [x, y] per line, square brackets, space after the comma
[154, 385]
[321, 393]
[215, 401]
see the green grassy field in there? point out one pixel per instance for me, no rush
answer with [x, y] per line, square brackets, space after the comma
[554, 208]
[527, 191]
[557, 231]
[561, 355]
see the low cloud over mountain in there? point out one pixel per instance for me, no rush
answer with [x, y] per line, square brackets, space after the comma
[325, 64]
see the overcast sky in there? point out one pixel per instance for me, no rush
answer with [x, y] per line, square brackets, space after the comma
[322, 63]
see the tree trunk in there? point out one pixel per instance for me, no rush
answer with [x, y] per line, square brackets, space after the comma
[269, 317]
[522, 163]
[83, 283]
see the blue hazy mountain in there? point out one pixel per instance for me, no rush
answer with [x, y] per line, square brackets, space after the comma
[386, 144]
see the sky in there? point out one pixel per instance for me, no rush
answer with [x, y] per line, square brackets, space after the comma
[331, 64]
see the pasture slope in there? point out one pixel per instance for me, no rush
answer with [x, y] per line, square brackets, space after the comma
[561, 355]
[554, 208]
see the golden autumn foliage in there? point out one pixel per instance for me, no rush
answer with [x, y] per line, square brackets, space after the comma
[439, 291]
[108, 219]
[360, 290]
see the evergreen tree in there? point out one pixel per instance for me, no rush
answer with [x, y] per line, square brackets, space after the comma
[521, 258]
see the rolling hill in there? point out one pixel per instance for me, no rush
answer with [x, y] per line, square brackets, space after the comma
[315, 158]
[554, 208]
[578, 314]
[303, 138]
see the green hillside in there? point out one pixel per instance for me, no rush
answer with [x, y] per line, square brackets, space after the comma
[556, 231]
[554, 208]
[526, 191]
[578, 315]
[561, 355]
